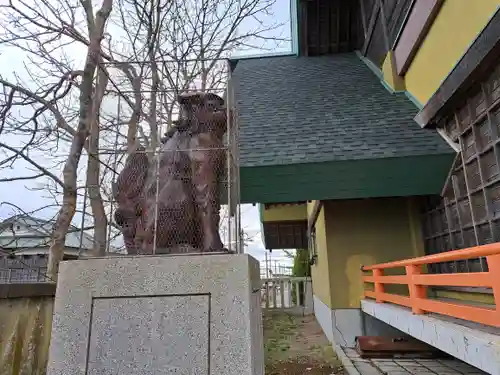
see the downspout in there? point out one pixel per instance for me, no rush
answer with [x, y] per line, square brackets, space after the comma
[261, 218]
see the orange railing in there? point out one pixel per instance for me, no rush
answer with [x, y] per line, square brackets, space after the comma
[417, 282]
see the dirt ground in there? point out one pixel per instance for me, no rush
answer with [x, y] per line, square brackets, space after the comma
[295, 345]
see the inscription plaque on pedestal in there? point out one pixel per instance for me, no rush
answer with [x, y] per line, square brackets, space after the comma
[149, 335]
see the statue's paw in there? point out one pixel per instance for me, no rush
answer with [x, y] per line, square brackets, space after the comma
[218, 249]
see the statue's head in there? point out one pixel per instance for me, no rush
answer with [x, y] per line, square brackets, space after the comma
[203, 108]
[200, 110]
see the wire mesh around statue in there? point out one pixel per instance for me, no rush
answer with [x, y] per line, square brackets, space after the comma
[170, 202]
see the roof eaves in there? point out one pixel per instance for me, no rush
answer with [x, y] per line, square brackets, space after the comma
[480, 55]
[233, 61]
[4, 224]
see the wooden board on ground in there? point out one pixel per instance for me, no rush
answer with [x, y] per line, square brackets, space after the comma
[394, 347]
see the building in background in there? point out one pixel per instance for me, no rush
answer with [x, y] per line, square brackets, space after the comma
[24, 248]
[377, 140]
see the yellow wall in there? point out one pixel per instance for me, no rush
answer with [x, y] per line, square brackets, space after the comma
[283, 213]
[353, 233]
[453, 31]
[361, 232]
[391, 77]
[320, 272]
[466, 296]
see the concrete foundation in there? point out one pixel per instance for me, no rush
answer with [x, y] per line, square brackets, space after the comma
[472, 343]
[342, 326]
[183, 314]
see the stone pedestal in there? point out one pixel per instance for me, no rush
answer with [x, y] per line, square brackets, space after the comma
[184, 314]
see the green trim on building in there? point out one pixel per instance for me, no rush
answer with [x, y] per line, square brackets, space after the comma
[351, 179]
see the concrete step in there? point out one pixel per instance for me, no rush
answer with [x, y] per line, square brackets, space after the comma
[354, 365]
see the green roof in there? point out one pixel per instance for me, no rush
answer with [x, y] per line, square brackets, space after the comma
[297, 111]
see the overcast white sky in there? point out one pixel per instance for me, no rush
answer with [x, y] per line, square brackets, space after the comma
[21, 193]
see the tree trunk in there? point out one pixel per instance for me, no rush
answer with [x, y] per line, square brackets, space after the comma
[93, 169]
[68, 208]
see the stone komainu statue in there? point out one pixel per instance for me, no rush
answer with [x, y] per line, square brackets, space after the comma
[183, 190]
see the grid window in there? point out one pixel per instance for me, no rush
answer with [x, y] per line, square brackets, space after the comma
[468, 213]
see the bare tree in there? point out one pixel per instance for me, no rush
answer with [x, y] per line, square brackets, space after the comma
[120, 91]
[88, 109]
[93, 166]
[42, 32]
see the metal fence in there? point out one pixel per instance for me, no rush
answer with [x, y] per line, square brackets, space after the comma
[23, 269]
[185, 196]
[160, 185]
